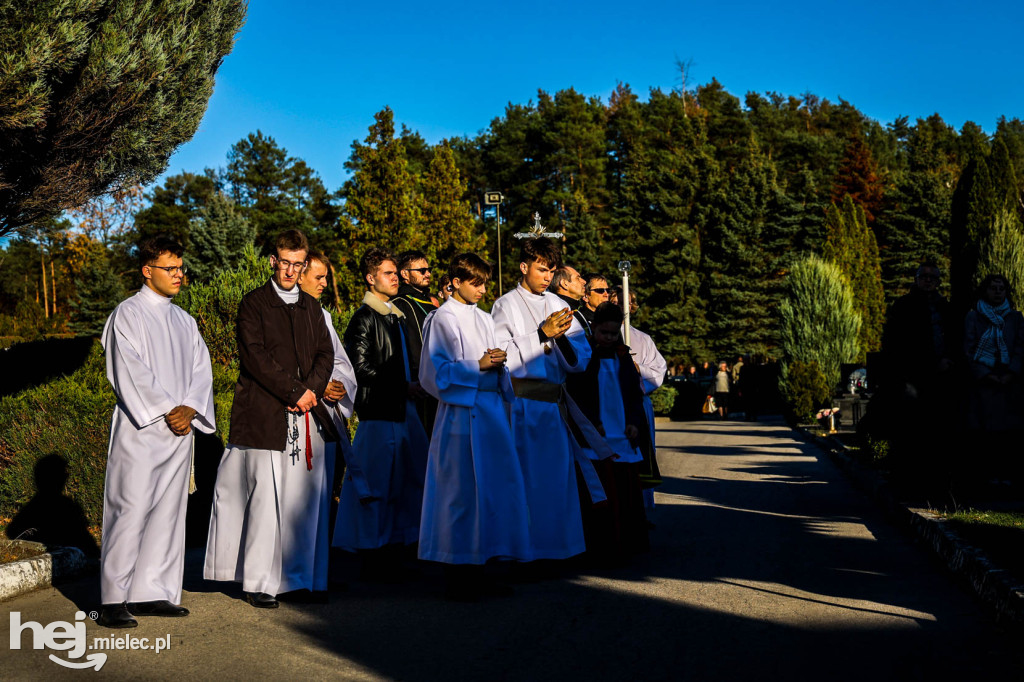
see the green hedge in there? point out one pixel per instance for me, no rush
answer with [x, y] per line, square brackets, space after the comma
[663, 399]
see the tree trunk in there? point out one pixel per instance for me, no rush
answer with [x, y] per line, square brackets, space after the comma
[46, 293]
[334, 283]
[53, 288]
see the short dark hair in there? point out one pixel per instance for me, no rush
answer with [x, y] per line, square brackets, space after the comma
[561, 275]
[407, 258]
[927, 264]
[992, 278]
[317, 254]
[292, 240]
[151, 249]
[591, 276]
[444, 282]
[372, 259]
[608, 312]
[471, 268]
[540, 249]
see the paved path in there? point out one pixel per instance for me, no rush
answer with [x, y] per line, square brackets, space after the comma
[765, 565]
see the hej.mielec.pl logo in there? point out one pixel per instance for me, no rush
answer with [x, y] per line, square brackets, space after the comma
[71, 637]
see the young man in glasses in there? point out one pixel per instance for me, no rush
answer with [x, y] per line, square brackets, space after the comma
[263, 529]
[415, 302]
[160, 369]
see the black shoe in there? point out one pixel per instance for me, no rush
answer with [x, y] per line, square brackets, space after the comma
[160, 607]
[116, 616]
[261, 600]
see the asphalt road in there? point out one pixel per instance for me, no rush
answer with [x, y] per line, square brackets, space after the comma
[765, 564]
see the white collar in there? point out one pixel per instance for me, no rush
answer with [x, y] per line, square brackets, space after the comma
[153, 297]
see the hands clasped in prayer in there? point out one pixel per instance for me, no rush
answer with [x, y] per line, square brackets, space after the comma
[179, 420]
[493, 358]
[557, 323]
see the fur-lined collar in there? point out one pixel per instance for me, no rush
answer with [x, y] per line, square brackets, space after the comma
[378, 306]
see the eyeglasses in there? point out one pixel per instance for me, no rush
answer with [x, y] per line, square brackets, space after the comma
[600, 290]
[171, 270]
[419, 270]
[288, 265]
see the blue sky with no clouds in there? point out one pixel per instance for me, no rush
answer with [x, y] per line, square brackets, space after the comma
[312, 73]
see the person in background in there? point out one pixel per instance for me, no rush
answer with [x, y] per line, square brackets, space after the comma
[720, 387]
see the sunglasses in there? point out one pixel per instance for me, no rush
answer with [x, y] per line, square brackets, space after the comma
[419, 270]
[600, 290]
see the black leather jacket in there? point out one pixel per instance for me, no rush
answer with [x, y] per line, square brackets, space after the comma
[374, 345]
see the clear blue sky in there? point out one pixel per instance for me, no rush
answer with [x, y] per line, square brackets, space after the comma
[312, 73]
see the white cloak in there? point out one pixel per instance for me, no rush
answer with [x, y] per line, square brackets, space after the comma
[545, 445]
[156, 361]
[268, 528]
[341, 410]
[652, 371]
[474, 499]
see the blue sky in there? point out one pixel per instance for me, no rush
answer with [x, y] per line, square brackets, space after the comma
[312, 73]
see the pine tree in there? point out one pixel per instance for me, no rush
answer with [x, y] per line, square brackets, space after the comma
[820, 323]
[173, 205]
[659, 157]
[262, 181]
[98, 95]
[98, 290]
[446, 224]
[380, 196]
[851, 245]
[220, 235]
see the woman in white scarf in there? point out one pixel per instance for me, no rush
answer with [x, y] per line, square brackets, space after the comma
[994, 344]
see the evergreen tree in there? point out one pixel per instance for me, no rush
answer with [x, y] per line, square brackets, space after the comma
[851, 245]
[659, 157]
[174, 205]
[820, 323]
[446, 225]
[220, 235]
[98, 290]
[858, 179]
[380, 196]
[268, 186]
[96, 96]
[1002, 250]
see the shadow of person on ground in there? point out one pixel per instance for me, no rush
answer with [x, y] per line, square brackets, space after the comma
[29, 364]
[51, 517]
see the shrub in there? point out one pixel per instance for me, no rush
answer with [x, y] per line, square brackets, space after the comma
[819, 327]
[214, 304]
[663, 399]
[806, 389]
[68, 417]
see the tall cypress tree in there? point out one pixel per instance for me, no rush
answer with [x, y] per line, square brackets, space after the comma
[820, 323]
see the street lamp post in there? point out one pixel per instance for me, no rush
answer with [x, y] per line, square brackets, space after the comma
[494, 199]
[624, 267]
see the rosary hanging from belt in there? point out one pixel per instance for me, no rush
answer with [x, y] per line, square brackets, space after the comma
[293, 437]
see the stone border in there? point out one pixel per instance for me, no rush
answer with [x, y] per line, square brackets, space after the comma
[26, 575]
[995, 586]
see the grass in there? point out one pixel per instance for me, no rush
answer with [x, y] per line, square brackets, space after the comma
[10, 551]
[999, 534]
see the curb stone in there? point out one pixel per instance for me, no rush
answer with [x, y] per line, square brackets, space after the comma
[995, 586]
[26, 575]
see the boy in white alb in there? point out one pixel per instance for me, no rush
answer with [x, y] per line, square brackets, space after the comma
[474, 500]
